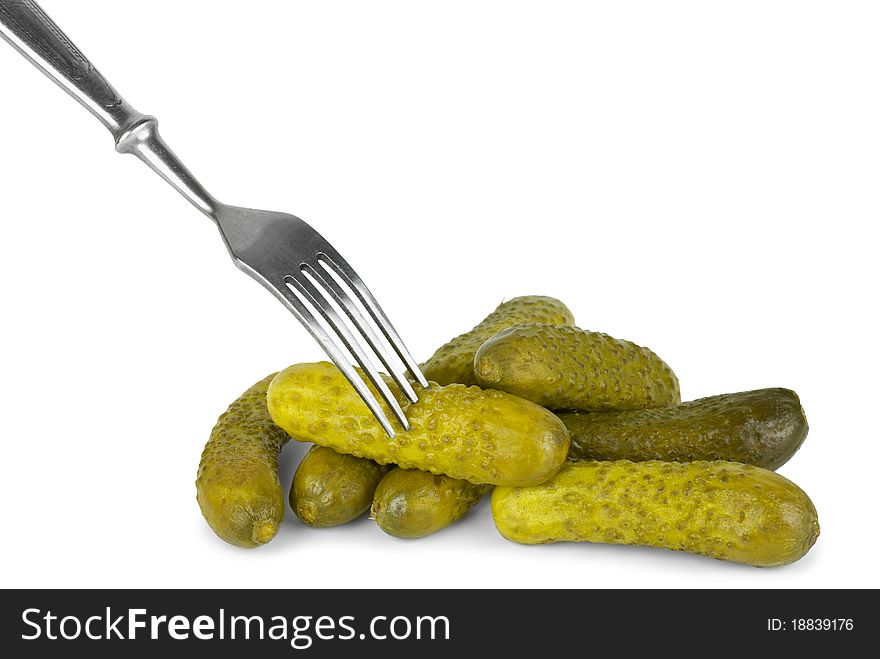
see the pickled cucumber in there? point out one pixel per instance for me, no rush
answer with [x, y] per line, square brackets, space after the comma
[763, 428]
[566, 368]
[410, 503]
[465, 432]
[725, 510]
[237, 486]
[453, 363]
[331, 488]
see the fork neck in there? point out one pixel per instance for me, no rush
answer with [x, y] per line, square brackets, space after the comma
[141, 138]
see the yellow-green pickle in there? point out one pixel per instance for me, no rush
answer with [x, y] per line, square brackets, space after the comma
[453, 363]
[237, 486]
[410, 503]
[331, 488]
[566, 368]
[464, 432]
[725, 510]
[763, 427]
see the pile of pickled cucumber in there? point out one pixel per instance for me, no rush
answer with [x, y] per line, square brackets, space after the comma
[583, 437]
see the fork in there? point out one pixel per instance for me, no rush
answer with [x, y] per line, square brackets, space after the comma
[280, 251]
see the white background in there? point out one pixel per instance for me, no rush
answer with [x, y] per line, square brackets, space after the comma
[697, 177]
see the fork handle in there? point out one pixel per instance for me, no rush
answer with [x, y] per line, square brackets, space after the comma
[32, 33]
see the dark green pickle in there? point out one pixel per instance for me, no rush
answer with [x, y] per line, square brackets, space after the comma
[763, 428]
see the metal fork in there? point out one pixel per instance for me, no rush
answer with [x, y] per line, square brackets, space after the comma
[279, 250]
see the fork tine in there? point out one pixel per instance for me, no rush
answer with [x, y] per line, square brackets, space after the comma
[334, 260]
[344, 300]
[318, 300]
[302, 313]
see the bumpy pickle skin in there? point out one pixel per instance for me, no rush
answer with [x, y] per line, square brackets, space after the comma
[453, 363]
[410, 503]
[723, 510]
[464, 432]
[331, 488]
[764, 428]
[566, 368]
[237, 487]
